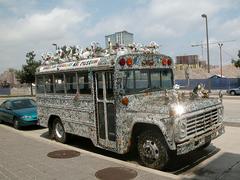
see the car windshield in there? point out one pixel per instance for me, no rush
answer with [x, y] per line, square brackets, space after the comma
[23, 103]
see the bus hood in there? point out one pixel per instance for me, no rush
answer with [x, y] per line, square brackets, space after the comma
[160, 104]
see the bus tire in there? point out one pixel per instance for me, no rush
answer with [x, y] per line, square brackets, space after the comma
[59, 131]
[152, 150]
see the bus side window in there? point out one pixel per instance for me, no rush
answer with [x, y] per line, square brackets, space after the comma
[59, 83]
[166, 78]
[40, 84]
[109, 84]
[49, 83]
[84, 85]
[71, 83]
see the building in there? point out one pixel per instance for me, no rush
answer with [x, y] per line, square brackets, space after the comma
[119, 38]
[191, 61]
[8, 77]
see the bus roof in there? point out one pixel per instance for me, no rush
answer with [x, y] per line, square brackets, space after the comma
[97, 59]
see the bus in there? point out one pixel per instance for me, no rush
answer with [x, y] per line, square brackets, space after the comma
[125, 101]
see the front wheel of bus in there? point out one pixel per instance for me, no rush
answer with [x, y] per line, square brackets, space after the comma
[152, 150]
[59, 131]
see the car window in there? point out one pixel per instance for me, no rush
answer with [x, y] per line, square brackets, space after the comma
[3, 105]
[8, 105]
[23, 103]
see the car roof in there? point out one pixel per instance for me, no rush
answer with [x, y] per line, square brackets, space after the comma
[17, 99]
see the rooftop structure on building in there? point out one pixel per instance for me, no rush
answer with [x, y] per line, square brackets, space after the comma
[187, 59]
[119, 38]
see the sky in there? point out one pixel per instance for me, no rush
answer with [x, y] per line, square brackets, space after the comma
[27, 25]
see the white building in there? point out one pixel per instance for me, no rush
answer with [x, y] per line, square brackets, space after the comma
[120, 38]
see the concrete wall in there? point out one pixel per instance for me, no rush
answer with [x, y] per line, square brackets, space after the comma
[22, 91]
[19, 91]
[5, 91]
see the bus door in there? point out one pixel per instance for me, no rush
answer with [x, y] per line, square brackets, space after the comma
[105, 109]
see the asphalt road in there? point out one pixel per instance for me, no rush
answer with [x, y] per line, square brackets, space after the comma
[231, 108]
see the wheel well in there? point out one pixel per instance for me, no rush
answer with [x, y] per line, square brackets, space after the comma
[50, 121]
[138, 128]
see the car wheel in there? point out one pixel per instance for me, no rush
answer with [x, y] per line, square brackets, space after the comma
[16, 124]
[232, 92]
[59, 131]
[153, 152]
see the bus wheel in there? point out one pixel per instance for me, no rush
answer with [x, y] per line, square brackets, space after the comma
[152, 151]
[59, 131]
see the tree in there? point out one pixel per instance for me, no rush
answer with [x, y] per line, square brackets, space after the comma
[236, 63]
[27, 73]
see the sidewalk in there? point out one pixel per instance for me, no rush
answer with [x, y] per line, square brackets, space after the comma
[23, 156]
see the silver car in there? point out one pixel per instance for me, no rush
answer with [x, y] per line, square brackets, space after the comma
[234, 91]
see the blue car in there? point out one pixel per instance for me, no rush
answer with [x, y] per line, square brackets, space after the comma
[19, 112]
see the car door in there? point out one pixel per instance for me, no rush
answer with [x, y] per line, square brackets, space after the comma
[6, 112]
[238, 90]
[2, 111]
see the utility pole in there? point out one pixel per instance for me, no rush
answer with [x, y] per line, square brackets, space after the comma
[220, 44]
[220, 48]
[205, 16]
[54, 44]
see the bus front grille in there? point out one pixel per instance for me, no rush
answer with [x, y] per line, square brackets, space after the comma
[202, 123]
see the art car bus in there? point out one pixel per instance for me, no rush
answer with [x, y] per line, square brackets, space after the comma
[126, 100]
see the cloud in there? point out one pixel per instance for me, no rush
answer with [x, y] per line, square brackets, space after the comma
[36, 27]
[36, 32]
[33, 24]
[160, 18]
[231, 27]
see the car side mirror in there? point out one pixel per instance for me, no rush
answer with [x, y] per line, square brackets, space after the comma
[8, 108]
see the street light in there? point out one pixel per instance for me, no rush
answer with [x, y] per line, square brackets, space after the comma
[205, 16]
[220, 48]
[55, 45]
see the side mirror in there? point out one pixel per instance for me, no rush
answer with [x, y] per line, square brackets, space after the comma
[8, 108]
[122, 92]
[176, 87]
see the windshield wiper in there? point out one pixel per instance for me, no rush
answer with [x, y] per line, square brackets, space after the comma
[144, 90]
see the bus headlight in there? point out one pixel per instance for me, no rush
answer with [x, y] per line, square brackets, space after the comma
[181, 128]
[176, 110]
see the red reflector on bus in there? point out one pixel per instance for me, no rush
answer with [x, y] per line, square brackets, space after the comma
[164, 62]
[122, 62]
[169, 62]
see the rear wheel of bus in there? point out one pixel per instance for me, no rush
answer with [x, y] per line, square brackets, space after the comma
[59, 131]
[153, 152]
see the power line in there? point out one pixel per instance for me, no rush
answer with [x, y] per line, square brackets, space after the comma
[220, 44]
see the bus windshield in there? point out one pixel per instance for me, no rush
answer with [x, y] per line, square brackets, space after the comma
[137, 81]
